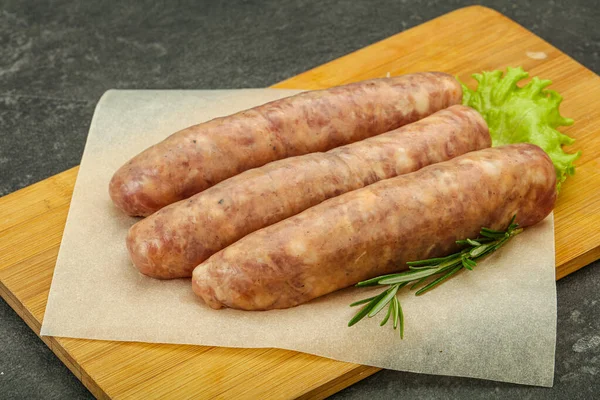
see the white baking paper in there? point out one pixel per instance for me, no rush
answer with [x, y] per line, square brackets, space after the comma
[497, 322]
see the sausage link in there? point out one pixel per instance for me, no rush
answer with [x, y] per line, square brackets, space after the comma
[200, 156]
[377, 229]
[174, 240]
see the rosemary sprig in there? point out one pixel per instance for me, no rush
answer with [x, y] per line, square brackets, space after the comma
[438, 269]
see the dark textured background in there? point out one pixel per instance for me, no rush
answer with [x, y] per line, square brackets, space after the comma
[58, 57]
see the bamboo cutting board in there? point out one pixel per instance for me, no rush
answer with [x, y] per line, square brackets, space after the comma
[463, 42]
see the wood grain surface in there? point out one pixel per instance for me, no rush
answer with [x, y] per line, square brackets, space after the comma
[463, 42]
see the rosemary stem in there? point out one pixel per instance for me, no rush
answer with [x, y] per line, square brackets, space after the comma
[440, 269]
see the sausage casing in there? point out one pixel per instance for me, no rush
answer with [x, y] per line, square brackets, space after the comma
[174, 240]
[377, 229]
[196, 158]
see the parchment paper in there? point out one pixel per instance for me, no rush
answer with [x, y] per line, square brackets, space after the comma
[497, 322]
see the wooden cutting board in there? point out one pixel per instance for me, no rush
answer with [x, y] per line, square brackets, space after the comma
[463, 42]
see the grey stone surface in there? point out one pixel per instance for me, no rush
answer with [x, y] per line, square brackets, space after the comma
[57, 58]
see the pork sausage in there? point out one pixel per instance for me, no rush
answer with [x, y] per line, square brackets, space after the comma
[377, 229]
[200, 156]
[174, 240]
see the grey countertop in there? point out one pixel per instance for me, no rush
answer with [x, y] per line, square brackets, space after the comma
[57, 58]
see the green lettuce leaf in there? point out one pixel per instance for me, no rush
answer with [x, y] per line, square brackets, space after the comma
[523, 114]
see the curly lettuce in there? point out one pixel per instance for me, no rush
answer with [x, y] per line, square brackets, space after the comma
[523, 114]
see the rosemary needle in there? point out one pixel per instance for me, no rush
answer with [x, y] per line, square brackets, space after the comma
[439, 269]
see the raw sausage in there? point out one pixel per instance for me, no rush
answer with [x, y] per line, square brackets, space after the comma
[174, 240]
[377, 229]
[200, 156]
